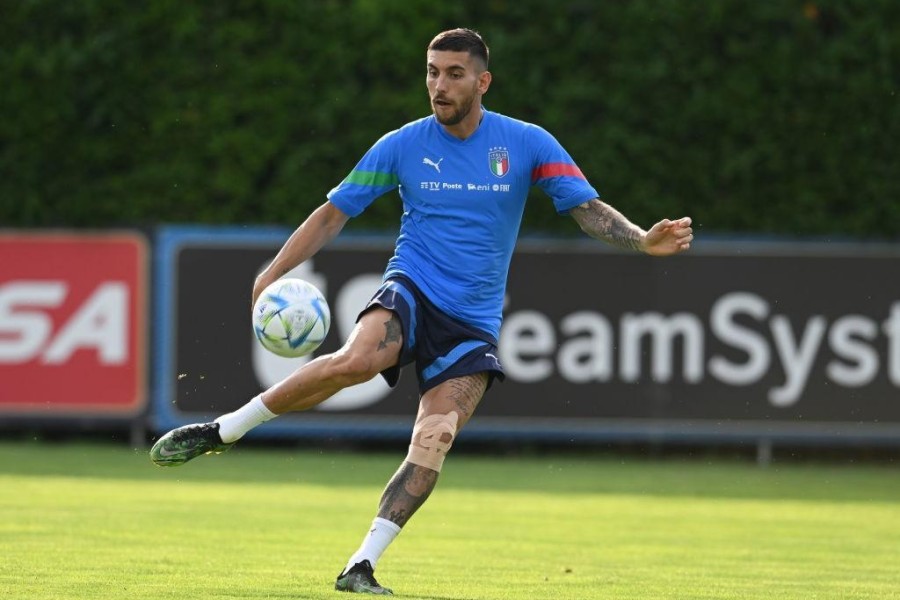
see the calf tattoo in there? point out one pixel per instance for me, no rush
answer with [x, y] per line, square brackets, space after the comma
[406, 492]
[411, 485]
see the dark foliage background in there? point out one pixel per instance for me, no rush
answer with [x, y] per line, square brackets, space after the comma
[775, 117]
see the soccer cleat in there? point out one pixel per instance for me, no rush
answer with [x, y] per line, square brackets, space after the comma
[360, 579]
[182, 444]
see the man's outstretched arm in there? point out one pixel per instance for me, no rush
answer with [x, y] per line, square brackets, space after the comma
[318, 229]
[603, 222]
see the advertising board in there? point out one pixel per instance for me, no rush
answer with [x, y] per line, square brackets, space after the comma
[72, 324]
[794, 342]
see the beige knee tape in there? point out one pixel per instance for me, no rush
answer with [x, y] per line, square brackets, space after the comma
[427, 448]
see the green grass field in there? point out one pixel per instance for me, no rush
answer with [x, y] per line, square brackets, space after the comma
[100, 522]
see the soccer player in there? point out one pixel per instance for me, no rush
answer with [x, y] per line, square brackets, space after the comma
[464, 174]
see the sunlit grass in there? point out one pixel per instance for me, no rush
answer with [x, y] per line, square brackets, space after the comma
[101, 522]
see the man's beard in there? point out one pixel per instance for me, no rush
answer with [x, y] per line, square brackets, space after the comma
[457, 116]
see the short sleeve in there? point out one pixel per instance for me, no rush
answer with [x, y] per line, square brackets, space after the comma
[374, 175]
[556, 173]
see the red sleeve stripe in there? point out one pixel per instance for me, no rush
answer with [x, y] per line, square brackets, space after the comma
[556, 170]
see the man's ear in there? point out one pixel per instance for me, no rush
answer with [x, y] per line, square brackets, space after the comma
[484, 82]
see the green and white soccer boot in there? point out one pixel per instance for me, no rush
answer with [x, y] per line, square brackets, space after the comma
[182, 444]
[360, 579]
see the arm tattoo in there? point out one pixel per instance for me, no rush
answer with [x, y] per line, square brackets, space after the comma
[602, 222]
[392, 332]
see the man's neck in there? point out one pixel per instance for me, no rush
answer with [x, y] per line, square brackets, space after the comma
[465, 128]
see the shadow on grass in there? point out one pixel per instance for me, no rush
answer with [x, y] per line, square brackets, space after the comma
[552, 473]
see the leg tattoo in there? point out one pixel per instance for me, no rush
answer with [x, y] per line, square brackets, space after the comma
[406, 492]
[466, 392]
[391, 332]
[411, 485]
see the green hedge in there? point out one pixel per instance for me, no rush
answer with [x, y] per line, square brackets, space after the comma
[779, 117]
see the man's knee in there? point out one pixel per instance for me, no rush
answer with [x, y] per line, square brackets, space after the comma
[351, 368]
[431, 440]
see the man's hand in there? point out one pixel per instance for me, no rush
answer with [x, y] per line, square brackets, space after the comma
[668, 237]
[262, 281]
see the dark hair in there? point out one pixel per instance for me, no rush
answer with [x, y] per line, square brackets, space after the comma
[461, 40]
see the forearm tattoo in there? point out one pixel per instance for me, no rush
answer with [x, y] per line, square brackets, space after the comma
[406, 492]
[601, 221]
[392, 332]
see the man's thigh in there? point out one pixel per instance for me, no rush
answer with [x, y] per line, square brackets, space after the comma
[377, 336]
[460, 395]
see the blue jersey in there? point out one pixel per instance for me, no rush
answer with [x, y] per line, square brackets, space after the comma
[463, 202]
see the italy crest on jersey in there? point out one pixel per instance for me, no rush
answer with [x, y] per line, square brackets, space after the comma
[499, 161]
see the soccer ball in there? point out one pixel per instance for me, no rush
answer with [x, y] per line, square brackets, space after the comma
[291, 318]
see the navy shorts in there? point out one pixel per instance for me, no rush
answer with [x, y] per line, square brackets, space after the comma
[441, 347]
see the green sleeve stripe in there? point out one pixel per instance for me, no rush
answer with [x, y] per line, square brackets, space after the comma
[372, 178]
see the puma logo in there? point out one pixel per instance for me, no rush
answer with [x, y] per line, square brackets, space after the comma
[436, 165]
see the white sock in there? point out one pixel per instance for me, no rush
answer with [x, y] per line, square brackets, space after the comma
[234, 425]
[375, 543]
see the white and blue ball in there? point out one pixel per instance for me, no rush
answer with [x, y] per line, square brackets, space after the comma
[291, 318]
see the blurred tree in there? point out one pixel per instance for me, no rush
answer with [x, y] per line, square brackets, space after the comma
[752, 117]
